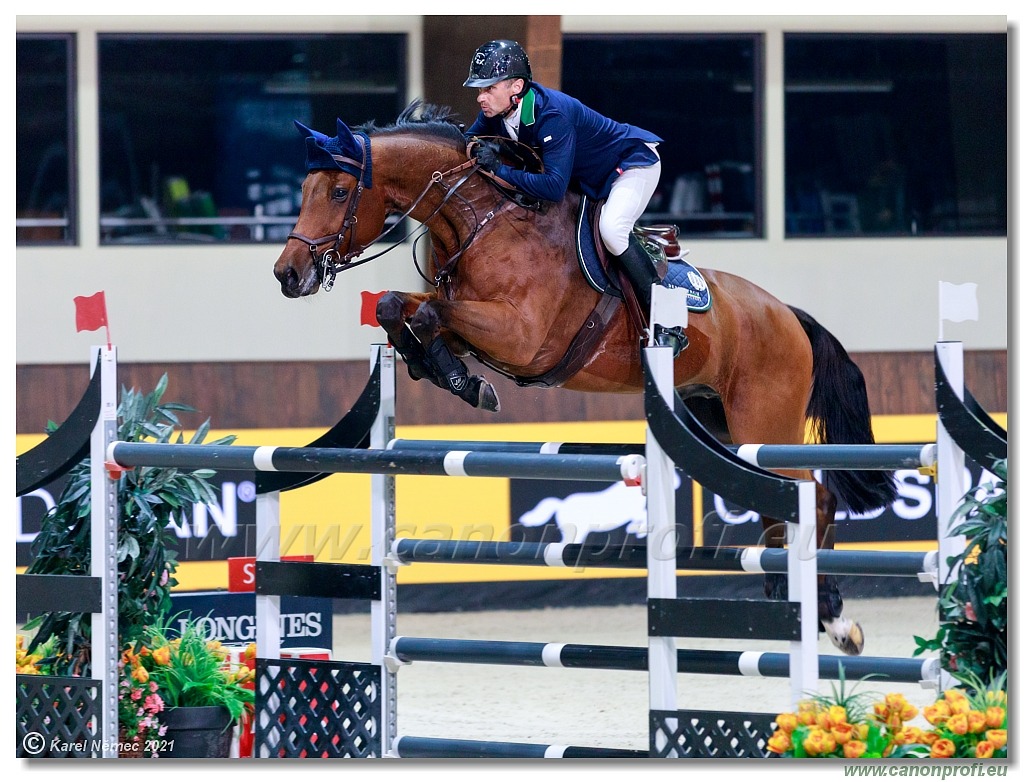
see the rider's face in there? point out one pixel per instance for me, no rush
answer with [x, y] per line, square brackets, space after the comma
[497, 99]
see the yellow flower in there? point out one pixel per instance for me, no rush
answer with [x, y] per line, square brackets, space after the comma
[943, 748]
[912, 735]
[837, 714]
[997, 737]
[788, 722]
[854, 749]
[984, 749]
[140, 674]
[862, 729]
[928, 737]
[937, 713]
[162, 656]
[780, 742]
[954, 696]
[994, 716]
[997, 698]
[807, 717]
[814, 744]
[842, 732]
[957, 724]
[250, 651]
[976, 722]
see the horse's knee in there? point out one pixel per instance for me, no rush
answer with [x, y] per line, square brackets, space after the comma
[425, 322]
[389, 311]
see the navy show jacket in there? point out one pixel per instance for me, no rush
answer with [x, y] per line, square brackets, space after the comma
[577, 145]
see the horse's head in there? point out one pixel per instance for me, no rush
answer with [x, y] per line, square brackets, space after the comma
[340, 215]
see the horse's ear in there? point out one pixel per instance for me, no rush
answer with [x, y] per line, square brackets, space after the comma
[345, 138]
[308, 132]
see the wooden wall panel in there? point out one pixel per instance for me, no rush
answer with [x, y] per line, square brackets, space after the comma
[317, 394]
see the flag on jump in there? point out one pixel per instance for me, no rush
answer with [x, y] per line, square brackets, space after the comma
[91, 313]
[368, 311]
[958, 303]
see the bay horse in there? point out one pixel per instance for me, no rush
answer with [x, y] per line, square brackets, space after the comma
[506, 287]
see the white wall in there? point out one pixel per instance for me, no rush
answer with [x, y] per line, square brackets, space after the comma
[221, 303]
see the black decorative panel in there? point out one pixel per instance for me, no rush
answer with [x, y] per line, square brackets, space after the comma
[317, 709]
[58, 717]
[711, 734]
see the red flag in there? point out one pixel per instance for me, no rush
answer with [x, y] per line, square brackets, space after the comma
[368, 312]
[90, 312]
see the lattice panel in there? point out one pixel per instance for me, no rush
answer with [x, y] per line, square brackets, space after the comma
[711, 734]
[60, 715]
[317, 709]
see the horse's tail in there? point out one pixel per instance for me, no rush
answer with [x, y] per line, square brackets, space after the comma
[839, 413]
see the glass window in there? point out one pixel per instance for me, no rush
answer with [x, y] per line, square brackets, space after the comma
[701, 94]
[45, 116]
[197, 142]
[894, 135]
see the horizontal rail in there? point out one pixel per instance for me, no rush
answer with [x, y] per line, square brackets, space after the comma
[591, 467]
[423, 747]
[408, 649]
[803, 457]
[754, 559]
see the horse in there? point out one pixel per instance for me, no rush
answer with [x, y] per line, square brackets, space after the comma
[505, 286]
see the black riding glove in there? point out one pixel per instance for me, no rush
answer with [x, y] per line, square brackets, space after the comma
[486, 155]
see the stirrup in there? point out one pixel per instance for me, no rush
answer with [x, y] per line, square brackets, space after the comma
[673, 337]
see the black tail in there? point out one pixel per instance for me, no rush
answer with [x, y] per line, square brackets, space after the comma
[839, 413]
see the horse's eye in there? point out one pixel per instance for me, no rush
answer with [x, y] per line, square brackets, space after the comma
[339, 194]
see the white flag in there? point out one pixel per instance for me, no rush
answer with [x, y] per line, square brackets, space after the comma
[958, 303]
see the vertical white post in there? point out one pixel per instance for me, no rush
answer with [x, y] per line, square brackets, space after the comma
[384, 612]
[104, 531]
[662, 661]
[802, 572]
[268, 549]
[951, 481]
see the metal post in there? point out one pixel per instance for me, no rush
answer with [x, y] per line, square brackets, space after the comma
[268, 607]
[951, 481]
[802, 574]
[104, 530]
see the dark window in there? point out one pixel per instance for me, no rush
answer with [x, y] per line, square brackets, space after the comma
[701, 94]
[896, 134]
[45, 112]
[197, 142]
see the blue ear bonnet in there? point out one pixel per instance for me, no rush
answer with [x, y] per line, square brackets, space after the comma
[343, 152]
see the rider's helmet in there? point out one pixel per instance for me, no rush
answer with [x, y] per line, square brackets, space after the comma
[496, 61]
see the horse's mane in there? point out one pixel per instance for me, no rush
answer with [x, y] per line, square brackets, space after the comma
[422, 119]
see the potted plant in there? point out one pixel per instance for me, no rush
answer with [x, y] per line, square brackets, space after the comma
[203, 697]
[149, 499]
[972, 609]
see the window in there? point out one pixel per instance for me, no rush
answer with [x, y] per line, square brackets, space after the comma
[196, 139]
[894, 135]
[702, 95]
[45, 147]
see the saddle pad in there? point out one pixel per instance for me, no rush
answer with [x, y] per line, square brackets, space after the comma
[680, 273]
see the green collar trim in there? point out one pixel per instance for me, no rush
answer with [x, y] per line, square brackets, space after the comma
[527, 116]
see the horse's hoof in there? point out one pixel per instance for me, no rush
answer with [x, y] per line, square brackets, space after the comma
[487, 397]
[845, 635]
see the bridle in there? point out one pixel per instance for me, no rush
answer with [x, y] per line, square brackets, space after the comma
[331, 261]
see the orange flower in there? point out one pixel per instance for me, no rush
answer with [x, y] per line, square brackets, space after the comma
[912, 735]
[162, 656]
[928, 737]
[943, 748]
[140, 674]
[780, 742]
[954, 696]
[854, 749]
[789, 722]
[837, 714]
[807, 717]
[815, 744]
[957, 724]
[842, 732]
[994, 716]
[984, 749]
[937, 713]
[997, 737]
[250, 651]
[976, 722]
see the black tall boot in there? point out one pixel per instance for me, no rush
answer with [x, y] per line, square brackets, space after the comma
[642, 274]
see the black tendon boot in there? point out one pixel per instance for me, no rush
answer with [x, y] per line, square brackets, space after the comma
[639, 268]
[475, 390]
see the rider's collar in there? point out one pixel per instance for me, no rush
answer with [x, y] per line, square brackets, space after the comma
[526, 107]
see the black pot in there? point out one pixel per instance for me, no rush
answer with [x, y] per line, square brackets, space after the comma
[196, 732]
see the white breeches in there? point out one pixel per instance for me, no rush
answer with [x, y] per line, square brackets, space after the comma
[630, 194]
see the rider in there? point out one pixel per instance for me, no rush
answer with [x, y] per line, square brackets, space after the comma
[605, 159]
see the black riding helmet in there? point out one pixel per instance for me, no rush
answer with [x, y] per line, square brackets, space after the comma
[496, 61]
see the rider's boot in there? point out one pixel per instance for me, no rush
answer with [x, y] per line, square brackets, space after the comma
[642, 274]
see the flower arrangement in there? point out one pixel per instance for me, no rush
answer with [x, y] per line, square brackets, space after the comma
[139, 704]
[190, 670]
[964, 724]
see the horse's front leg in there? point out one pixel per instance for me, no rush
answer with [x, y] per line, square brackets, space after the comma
[449, 371]
[393, 312]
[845, 634]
